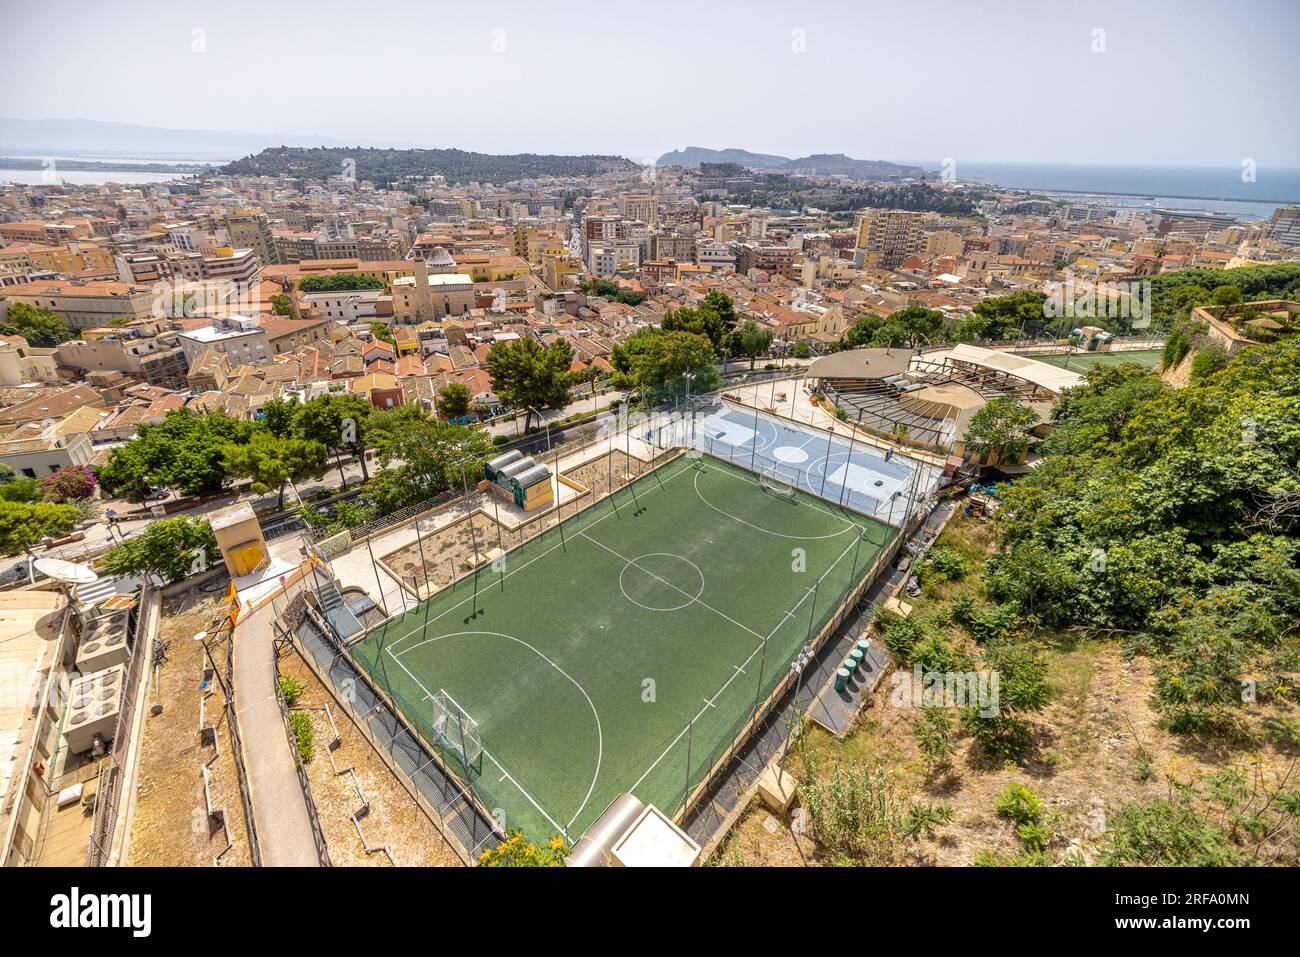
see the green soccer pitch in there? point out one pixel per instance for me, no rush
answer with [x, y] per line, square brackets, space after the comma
[1083, 361]
[634, 646]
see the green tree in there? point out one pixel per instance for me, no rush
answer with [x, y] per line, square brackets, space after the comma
[21, 490]
[173, 548]
[272, 462]
[654, 361]
[279, 415]
[1227, 295]
[340, 423]
[40, 327]
[1007, 317]
[283, 304]
[184, 452]
[381, 332]
[24, 524]
[1002, 427]
[753, 341]
[422, 457]
[454, 400]
[526, 375]
[340, 282]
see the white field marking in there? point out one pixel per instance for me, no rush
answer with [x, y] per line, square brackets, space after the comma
[739, 670]
[505, 775]
[768, 531]
[633, 564]
[515, 571]
[600, 736]
[741, 477]
[702, 604]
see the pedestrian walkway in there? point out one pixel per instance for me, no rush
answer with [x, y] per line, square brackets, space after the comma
[284, 830]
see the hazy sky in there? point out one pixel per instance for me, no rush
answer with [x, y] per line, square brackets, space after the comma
[1175, 81]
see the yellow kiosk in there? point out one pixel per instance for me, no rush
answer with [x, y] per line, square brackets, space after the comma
[239, 536]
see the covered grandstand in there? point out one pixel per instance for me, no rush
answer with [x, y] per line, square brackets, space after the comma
[928, 398]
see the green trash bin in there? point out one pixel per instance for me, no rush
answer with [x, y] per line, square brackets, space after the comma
[850, 664]
[842, 679]
[863, 646]
[856, 655]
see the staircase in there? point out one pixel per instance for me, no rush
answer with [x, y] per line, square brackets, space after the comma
[337, 612]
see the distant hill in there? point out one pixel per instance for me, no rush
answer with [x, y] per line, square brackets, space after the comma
[695, 155]
[386, 165]
[837, 164]
[818, 164]
[125, 139]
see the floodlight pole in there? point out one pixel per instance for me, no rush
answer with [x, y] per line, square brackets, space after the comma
[812, 617]
[424, 565]
[758, 691]
[690, 734]
[496, 513]
[830, 431]
[854, 573]
[844, 488]
[375, 568]
[753, 449]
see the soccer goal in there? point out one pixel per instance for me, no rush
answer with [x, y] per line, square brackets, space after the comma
[455, 730]
[771, 482]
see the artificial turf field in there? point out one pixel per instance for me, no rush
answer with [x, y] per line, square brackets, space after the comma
[592, 654]
[1082, 361]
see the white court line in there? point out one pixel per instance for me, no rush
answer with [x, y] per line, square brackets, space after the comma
[520, 568]
[504, 773]
[695, 599]
[740, 670]
[762, 528]
[600, 733]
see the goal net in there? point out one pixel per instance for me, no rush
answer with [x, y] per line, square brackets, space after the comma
[772, 483]
[455, 730]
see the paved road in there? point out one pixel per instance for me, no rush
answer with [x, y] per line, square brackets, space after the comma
[284, 831]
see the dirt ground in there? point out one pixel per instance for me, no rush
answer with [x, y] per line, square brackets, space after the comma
[432, 560]
[394, 818]
[170, 828]
[1097, 745]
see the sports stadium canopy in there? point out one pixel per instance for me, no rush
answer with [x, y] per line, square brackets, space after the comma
[1042, 374]
[861, 364]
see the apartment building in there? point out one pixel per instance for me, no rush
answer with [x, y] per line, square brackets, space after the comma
[1284, 226]
[156, 360]
[640, 207]
[888, 236]
[250, 230]
[86, 304]
[778, 260]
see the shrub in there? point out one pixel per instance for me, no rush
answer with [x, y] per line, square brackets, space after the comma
[68, 483]
[941, 564]
[934, 739]
[856, 815]
[1020, 805]
[1208, 360]
[1164, 833]
[515, 851]
[300, 725]
[899, 634]
[292, 689]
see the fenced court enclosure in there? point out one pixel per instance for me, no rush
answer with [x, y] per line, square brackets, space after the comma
[633, 641]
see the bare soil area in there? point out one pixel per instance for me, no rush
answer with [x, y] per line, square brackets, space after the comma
[394, 817]
[171, 826]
